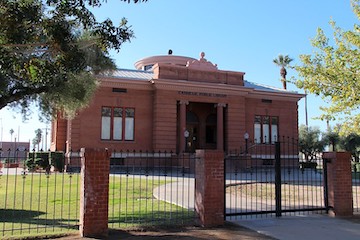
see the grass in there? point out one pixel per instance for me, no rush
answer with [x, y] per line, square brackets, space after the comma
[131, 204]
[39, 204]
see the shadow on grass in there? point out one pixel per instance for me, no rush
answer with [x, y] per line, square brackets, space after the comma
[14, 217]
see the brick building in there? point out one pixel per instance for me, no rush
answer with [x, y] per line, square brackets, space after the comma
[13, 153]
[179, 104]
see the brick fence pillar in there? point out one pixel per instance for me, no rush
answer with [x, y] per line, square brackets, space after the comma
[94, 199]
[209, 187]
[339, 181]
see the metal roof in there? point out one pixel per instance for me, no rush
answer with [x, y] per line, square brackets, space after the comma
[128, 74]
[266, 88]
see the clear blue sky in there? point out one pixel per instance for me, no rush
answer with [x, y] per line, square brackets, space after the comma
[237, 35]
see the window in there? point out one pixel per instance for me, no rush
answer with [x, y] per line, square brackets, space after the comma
[117, 123]
[274, 129]
[265, 129]
[129, 124]
[105, 123]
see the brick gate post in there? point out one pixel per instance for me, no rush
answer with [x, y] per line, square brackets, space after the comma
[339, 181]
[209, 187]
[94, 193]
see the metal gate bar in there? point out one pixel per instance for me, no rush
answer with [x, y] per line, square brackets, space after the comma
[267, 180]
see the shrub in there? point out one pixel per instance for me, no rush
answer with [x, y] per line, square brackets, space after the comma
[38, 160]
[30, 164]
[57, 160]
[304, 165]
[41, 160]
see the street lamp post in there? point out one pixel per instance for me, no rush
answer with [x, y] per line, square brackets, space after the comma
[246, 137]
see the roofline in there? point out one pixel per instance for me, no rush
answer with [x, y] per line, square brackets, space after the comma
[272, 92]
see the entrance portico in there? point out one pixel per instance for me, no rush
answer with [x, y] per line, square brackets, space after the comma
[201, 126]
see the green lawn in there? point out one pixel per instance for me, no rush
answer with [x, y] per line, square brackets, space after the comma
[37, 204]
[132, 204]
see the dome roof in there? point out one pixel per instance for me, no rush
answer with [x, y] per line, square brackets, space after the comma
[148, 62]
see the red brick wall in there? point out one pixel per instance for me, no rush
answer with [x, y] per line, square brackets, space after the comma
[165, 121]
[209, 187]
[58, 135]
[287, 111]
[167, 71]
[339, 179]
[94, 193]
[86, 127]
[156, 116]
[236, 123]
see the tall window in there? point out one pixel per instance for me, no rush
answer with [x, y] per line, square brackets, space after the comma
[265, 129]
[274, 129]
[129, 123]
[117, 123]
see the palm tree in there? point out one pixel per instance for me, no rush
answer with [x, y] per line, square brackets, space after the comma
[283, 61]
[37, 139]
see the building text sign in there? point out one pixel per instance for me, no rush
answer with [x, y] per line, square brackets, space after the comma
[202, 94]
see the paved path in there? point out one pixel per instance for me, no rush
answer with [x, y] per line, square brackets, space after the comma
[300, 227]
[307, 227]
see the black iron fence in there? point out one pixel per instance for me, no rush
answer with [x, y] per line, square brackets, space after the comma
[149, 188]
[271, 180]
[35, 197]
[40, 192]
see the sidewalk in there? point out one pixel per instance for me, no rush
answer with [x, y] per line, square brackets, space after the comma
[307, 227]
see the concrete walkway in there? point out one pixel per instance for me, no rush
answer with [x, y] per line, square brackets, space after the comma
[302, 227]
[313, 226]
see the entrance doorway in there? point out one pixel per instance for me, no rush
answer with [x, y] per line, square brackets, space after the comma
[192, 127]
[200, 130]
[192, 142]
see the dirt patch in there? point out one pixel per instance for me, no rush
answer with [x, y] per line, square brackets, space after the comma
[228, 231]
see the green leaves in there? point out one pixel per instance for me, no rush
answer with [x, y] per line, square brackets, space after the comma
[49, 51]
[19, 20]
[282, 61]
[332, 71]
[310, 143]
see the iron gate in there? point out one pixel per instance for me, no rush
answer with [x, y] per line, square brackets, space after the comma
[272, 180]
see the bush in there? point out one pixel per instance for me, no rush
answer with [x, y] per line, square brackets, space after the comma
[38, 160]
[311, 165]
[57, 160]
[30, 164]
[42, 163]
[41, 160]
